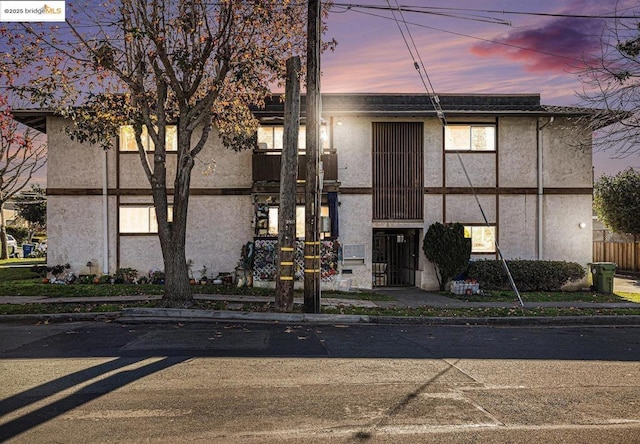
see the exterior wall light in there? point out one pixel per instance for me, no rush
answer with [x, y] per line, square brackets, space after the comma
[582, 225]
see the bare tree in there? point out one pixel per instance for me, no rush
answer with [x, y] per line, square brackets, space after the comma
[21, 156]
[611, 85]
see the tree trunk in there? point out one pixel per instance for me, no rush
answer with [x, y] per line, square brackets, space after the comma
[172, 235]
[288, 176]
[177, 291]
[4, 248]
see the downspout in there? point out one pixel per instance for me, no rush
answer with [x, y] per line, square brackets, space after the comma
[541, 187]
[105, 217]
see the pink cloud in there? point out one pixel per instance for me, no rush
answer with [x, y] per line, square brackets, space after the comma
[557, 46]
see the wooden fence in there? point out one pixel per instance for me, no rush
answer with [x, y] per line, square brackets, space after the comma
[626, 255]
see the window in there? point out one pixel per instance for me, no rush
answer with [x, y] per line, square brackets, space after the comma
[483, 238]
[139, 219]
[470, 137]
[128, 139]
[271, 137]
[325, 228]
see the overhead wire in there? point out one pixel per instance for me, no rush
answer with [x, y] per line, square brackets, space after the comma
[510, 45]
[432, 11]
[435, 102]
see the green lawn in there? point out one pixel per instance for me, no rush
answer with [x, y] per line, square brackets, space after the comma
[630, 297]
[22, 281]
[544, 296]
[21, 261]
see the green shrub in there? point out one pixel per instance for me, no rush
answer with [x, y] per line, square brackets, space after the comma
[446, 246]
[528, 275]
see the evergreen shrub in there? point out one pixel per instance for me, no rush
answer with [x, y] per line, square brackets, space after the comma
[528, 275]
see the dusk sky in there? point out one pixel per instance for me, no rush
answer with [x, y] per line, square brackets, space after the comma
[530, 54]
[480, 46]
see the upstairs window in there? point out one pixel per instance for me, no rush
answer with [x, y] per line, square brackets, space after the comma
[272, 137]
[476, 137]
[128, 139]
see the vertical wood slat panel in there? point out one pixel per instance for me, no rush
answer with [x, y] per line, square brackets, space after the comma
[397, 170]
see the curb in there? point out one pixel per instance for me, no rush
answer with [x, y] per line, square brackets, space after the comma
[62, 317]
[154, 315]
[171, 315]
[188, 315]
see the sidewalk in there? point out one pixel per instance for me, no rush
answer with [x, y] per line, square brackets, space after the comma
[405, 297]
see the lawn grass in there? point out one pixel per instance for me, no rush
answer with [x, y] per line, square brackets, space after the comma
[23, 261]
[629, 297]
[420, 312]
[22, 281]
[539, 296]
[14, 309]
[480, 312]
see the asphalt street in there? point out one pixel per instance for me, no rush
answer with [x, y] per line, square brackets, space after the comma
[280, 382]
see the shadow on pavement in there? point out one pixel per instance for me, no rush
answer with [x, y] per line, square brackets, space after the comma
[76, 399]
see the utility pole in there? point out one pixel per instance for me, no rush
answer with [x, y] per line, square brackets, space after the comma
[288, 179]
[312, 182]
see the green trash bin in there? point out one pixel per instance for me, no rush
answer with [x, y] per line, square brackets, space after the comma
[603, 273]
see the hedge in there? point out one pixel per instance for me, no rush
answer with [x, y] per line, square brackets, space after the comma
[528, 275]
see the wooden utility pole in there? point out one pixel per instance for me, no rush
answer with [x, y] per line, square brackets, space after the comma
[312, 182]
[288, 178]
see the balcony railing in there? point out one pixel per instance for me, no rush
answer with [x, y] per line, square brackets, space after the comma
[266, 165]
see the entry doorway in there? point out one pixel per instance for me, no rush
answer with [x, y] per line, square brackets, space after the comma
[394, 257]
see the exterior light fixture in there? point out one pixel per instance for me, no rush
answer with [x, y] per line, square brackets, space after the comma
[582, 225]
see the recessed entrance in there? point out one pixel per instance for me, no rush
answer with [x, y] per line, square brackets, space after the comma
[395, 257]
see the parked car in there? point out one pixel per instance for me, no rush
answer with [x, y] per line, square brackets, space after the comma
[12, 242]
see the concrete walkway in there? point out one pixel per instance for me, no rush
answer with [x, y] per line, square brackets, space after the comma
[405, 297]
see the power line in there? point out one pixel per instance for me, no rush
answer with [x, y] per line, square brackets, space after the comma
[435, 11]
[433, 97]
[510, 45]
[440, 113]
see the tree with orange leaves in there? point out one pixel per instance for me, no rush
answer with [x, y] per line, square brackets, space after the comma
[149, 64]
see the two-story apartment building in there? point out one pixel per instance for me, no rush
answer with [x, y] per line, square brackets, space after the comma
[391, 167]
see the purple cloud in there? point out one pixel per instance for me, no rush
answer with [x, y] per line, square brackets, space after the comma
[556, 46]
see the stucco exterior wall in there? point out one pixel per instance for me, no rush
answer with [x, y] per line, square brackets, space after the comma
[563, 237]
[74, 232]
[567, 156]
[464, 209]
[517, 148]
[433, 153]
[71, 164]
[352, 142]
[218, 227]
[355, 228]
[517, 229]
[480, 166]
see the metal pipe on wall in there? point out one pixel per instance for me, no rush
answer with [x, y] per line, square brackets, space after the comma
[541, 188]
[105, 216]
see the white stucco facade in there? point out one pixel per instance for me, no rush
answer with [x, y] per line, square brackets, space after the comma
[534, 188]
